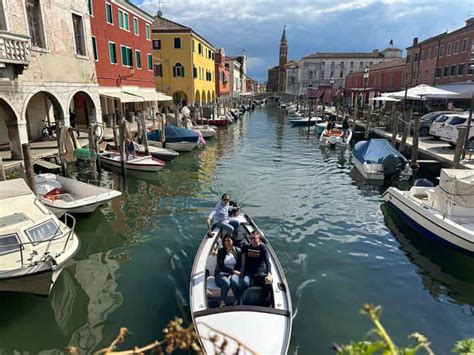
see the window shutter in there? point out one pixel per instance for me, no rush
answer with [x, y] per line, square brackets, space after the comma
[182, 72]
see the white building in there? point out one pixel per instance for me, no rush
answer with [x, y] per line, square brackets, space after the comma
[47, 68]
[235, 76]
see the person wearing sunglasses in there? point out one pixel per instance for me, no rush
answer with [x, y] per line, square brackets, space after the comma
[219, 217]
[228, 264]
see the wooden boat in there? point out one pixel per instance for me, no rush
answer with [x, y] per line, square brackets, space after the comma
[61, 194]
[246, 327]
[335, 137]
[444, 213]
[144, 163]
[34, 244]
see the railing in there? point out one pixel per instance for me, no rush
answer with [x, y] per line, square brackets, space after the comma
[14, 49]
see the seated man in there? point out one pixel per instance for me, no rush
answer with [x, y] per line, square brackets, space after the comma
[219, 217]
[255, 268]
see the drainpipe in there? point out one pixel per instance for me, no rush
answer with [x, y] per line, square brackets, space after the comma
[437, 61]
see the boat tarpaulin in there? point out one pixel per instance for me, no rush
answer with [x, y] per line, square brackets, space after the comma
[459, 185]
[175, 134]
[375, 151]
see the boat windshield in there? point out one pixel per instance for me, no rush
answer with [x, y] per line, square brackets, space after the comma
[44, 231]
[9, 243]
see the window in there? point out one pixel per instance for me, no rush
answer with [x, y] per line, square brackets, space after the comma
[112, 53]
[199, 48]
[138, 59]
[9, 243]
[456, 120]
[158, 70]
[35, 23]
[448, 51]
[156, 44]
[195, 72]
[3, 20]
[127, 59]
[455, 48]
[90, 8]
[177, 42]
[192, 45]
[453, 70]
[108, 13]
[435, 52]
[150, 61]
[441, 50]
[438, 72]
[147, 31]
[464, 45]
[446, 71]
[79, 34]
[178, 70]
[94, 48]
[135, 26]
[43, 231]
[123, 20]
[417, 57]
[461, 69]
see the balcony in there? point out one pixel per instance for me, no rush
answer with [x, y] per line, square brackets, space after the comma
[14, 49]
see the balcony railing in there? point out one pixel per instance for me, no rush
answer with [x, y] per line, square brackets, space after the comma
[14, 49]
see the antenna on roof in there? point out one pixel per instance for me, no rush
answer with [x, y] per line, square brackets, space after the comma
[159, 13]
[391, 43]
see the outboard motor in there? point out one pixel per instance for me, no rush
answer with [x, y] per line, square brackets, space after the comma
[406, 173]
[391, 165]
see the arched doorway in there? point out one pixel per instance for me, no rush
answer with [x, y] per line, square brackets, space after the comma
[180, 98]
[43, 109]
[81, 110]
[209, 97]
[197, 98]
[213, 96]
[9, 132]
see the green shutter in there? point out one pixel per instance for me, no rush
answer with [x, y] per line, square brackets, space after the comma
[150, 62]
[138, 59]
[126, 23]
[89, 7]
[121, 19]
[130, 56]
[123, 52]
[147, 28]
[108, 11]
[112, 54]
[135, 26]
[94, 48]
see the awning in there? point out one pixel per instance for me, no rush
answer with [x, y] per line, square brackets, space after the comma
[133, 94]
[117, 94]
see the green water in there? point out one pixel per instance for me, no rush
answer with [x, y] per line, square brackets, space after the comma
[338, 248]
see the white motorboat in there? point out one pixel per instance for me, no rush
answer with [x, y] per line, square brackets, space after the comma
[62, 194]
[176, 146]
[376, 159]
[444, 213]
[34, 244]
[304, 121]
[249, 327]
[335, 137]
[156, 152]
[144, 163]
[207, 131]
[291, 109]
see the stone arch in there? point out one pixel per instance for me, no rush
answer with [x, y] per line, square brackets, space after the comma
[9, 130]
[81, 109]
[197, 98]
[180, 97]
[42, 108]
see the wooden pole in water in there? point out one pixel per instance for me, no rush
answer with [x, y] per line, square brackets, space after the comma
[367, 123]
[406, 131]
[2, 171]
[59, 139]
[92, 152]
[416, 136]
[145, 137]
[394, 122]
[28, 162]
[462, 131]
[114, 131]
[122, 144]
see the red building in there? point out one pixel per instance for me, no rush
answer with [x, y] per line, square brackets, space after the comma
[222, 75]
[442, 59]
[122, 45]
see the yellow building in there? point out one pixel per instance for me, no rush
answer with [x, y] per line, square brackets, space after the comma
[183, 63]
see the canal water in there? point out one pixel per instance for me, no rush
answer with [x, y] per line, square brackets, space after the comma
[338, 247]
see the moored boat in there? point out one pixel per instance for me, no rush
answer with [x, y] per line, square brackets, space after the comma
[207, 131]
[444, 213]
[302, 121]
[176, 138]
[242, 326]
[335, 137]
[61, 194]
[34, 244]
[144, 163]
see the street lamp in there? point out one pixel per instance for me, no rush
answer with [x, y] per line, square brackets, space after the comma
[366, 78]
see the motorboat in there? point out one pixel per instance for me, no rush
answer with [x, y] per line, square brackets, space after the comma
[219, 121]
[34, 244]
[376, 159]
[207, 131]
[176, 138]
[444, 213]
[241, 326]
[304, 122]
[141, 163]
[61, 194]
[156, 152]
[322, 125]
[291, 109]
[335, 137]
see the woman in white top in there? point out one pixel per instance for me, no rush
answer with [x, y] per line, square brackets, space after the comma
[228, 264]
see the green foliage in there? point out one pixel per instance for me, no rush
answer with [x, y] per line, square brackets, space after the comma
[464, 347]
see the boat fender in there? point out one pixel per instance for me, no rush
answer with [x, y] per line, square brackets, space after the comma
[391, 165]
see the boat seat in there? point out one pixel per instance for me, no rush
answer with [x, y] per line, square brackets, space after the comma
[211, 264]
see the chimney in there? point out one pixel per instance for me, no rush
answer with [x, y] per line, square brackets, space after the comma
[470, 21]
[415, 41]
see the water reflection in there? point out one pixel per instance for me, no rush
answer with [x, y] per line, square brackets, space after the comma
[444, 272]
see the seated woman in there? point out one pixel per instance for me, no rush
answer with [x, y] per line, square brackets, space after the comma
[228, 264]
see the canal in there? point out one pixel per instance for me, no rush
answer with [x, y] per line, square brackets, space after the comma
[338, 247]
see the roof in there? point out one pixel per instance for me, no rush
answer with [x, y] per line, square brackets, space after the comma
[468, 27]
[388, 64]
[322, 55]
[135, 7]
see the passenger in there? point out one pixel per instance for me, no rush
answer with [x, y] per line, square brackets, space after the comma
[130, 147]
[219, 217]
[345, 127]
[255, 268]
[228, 264]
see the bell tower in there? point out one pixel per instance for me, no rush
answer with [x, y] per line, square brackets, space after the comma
[282, 62]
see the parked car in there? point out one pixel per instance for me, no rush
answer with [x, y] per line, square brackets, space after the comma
[449, 132]
[427, 120]
[438, 123]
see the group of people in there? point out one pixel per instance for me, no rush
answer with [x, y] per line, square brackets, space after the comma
[239, 264]
[345, 126]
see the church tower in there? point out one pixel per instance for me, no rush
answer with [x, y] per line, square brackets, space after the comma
[282, 62]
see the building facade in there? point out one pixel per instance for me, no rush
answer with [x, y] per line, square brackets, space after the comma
[185, 63]
[292, 77]
[235, 70]
[442, 59]
[47, 69]
[122, 49]
[222, 75]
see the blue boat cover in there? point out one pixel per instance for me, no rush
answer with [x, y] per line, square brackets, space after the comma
[375, 150]
[174, 134]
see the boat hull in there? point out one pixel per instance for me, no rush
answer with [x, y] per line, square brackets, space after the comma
[368, 171]
[40, 283]
[131, 166]
[426, 222]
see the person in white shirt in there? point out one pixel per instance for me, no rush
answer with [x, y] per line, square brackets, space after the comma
[219, 217]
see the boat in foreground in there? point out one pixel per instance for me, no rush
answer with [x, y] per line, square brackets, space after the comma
[249, 327]
[376, 159]
[62, 194]
[444, 213]
[34, 244]
[145, 163]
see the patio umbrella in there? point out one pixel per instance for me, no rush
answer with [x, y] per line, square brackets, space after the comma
[423, 92]
[385, 99]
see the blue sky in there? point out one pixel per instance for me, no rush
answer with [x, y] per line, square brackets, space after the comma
[312, 25]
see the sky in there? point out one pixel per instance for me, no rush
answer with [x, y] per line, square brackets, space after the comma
[311, 25]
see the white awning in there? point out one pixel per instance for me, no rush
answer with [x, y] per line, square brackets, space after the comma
[117, 93]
